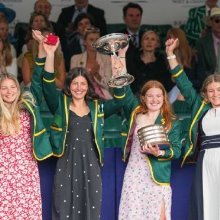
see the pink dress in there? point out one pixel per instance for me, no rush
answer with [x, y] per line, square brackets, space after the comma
[20, 197]
[141, 197]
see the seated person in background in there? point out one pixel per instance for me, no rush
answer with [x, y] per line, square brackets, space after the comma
[97, 65]
[69, 14]
[41, 6]
[149, 64]
[73, 43]
[37, 22]
[9, 60]
[208, 47]
[185, 56]
[132, 15]
[197, 21]
[28, 63]
[8, 64]
[7, 13]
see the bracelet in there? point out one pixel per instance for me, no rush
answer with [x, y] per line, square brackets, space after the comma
[122, 57]
[171, 57]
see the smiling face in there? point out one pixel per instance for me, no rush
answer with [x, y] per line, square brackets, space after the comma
[9, 91]
[150, 41]
[79, 88]
[213, 94]
[153, 99]
[83, 25]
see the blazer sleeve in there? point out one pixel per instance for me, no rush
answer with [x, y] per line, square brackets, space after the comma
[36, 81]
[51, 94]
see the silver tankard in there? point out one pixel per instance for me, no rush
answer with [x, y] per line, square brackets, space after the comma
[110, 44]
[153, 134]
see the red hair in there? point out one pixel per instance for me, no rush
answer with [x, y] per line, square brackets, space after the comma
[166, 109]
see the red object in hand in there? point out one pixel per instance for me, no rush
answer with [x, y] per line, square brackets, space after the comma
[51, 39]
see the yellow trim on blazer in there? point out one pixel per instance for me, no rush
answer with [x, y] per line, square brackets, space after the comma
[178, 73]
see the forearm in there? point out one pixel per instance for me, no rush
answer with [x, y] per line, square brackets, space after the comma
[49, 64]
[171, 57]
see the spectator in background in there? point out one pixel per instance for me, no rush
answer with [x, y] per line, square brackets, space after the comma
[28, 62]
[197, 21]
[8, 64]
[9, 48]
[73, 43]
[149, 64]
[7, 13]
[132, 15]
[97, 65]
[69, 14]
[208, 48]
[42, 7]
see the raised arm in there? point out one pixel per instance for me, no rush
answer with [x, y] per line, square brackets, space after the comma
[178, 74]
[51, 94]
[36, 81]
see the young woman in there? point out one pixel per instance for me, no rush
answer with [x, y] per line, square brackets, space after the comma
[23, 139]
[77, 138]
[146, 192]
[97, 65]
[203, 140]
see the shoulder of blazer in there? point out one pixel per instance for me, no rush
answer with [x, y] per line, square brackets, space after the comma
[68, 9]
[93, 9]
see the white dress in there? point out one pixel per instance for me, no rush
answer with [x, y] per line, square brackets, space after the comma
[211, 168]
[141, 197]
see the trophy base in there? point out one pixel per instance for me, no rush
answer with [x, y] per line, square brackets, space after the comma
[120, 81]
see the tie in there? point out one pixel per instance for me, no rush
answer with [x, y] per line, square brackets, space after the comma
[217, 70]
[134, 40]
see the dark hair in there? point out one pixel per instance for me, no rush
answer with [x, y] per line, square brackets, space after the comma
[132, 5]
[80, 17]
[72, 74]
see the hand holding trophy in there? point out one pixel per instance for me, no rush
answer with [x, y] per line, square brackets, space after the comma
[110, 44]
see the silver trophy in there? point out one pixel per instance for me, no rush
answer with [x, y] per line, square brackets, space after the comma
[110, 44]
[153, 134]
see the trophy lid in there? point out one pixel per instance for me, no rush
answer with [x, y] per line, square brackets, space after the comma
[111, 43]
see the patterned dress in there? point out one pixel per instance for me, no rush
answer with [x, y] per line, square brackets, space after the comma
[20, 196]
[77, 185]
[141, 197]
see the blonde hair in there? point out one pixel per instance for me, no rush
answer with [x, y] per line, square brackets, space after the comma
[183, 52]
[209, 79]
[147, 33]
[10, 117]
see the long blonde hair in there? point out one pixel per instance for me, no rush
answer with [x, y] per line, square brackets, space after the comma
[10, 117]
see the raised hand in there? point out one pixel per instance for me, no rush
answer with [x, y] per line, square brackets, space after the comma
[37, 35]
[171, 44]
[50, 49]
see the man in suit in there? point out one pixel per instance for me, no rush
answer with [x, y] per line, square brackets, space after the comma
[69, 14]
[197, 21]
[132, 15]
[208, 48]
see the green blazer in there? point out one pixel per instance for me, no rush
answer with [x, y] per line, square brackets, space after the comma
[195, 24]
[160, 167]
[40, 138]
[59, 104]
[198, 107]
